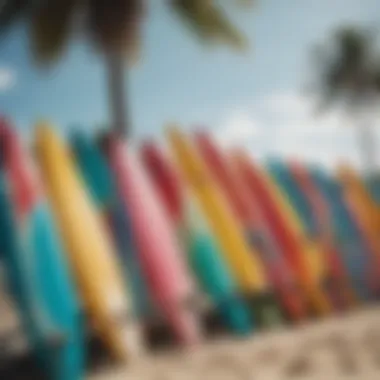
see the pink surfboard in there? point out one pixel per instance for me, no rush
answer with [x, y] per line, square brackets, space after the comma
[162, 260]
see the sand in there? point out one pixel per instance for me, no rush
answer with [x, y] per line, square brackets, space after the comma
[342, 347]
[345, 347]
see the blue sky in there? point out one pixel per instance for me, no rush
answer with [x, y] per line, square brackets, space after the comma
[253, 99]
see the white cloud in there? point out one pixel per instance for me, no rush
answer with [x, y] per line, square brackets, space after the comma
[284, 124]
[296, 114]
[287, 103]
[239, 129]
[7, 79]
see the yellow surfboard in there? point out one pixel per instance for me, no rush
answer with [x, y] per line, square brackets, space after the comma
[245, 264]
[313, 254]
[87, 244]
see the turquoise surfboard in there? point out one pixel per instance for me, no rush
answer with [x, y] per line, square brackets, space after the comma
[39, 282]
[212, 273]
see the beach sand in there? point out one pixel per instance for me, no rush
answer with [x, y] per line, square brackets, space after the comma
[337, 348]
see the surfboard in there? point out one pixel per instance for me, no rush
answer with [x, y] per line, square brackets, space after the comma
[344, 293]
[357, 192]
[366, 214]
[301, 207]
[355, 254]
[203, 254]
[372, 183]
[247, 211]
[296, 198]
[163, 262]
[300, 254]
[37, 272]
[101, 185]
[90, 252]
[247, 270]
[314, 253]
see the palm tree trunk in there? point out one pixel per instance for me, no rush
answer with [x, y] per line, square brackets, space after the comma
[367, 146]
[117, 94]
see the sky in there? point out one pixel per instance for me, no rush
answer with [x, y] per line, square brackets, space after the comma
[254, 100]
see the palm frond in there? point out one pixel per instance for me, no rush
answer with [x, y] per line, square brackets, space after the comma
[245, 3]
[115, 25]
[346, 67]
[377, 79]
[50, 26]
[353, 46]
[11, 11]
[209, 22]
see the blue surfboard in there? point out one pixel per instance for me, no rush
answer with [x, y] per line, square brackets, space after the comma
[40, 284]
[349, 240]
[297, 199]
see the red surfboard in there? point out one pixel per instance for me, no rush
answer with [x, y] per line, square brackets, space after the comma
[169, 184]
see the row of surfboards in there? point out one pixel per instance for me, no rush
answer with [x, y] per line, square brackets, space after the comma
[97, 236]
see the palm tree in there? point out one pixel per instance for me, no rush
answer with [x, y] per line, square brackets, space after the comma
[113, 26]
[348, 76]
